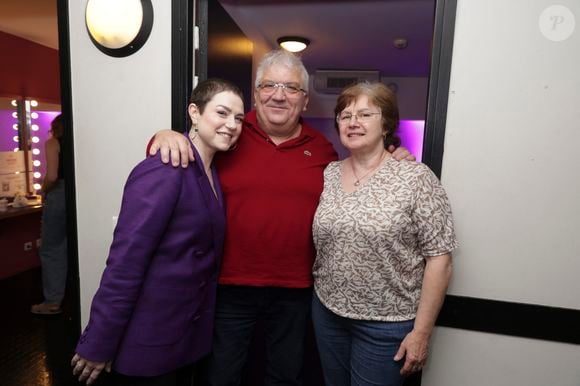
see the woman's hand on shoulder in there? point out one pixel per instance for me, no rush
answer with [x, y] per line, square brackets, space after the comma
[172, 145]
[88, 370]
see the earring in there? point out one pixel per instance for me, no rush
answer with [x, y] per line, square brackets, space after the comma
[193, 131]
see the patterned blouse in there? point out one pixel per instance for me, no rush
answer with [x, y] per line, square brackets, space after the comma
[371, 244]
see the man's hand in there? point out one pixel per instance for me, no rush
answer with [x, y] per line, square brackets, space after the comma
[414, 349]
[174, 145]
[401, 153]
[88, 370]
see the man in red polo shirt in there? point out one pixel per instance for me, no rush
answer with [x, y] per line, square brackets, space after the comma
[272, 182]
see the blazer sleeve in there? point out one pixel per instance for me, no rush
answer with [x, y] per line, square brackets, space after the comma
[150, 195]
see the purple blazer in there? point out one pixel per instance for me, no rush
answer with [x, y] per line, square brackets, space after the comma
[154, 309]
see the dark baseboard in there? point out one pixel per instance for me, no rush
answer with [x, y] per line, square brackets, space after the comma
[514, 319]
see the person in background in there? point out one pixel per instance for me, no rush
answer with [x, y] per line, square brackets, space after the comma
[383, 233]
[272, 182]
[53, 249]
[153, 313]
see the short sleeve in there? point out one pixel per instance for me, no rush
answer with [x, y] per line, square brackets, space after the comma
[432, 215]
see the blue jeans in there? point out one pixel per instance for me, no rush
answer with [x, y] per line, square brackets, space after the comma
[358, 352]
[53, 249]
[284, 313]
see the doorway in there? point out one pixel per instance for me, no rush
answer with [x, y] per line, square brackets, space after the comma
[35, 349]
[397, 40]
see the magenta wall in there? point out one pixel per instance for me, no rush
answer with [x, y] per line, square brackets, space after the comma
[6, 130]
[7, 134]
[412, 134]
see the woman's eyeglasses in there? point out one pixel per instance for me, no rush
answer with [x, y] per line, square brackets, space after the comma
[361, 116]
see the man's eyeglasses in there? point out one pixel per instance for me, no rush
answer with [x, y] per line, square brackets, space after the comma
[268, 88]
[361, 116]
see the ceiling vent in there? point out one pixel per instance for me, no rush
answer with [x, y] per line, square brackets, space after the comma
[333, 81]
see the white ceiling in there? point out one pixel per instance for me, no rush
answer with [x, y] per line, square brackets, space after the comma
[344, 34]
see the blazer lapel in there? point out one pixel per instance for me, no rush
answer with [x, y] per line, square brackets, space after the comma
[213, 202]
[202, 181]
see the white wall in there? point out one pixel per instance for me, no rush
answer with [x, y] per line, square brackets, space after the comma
[411, 96]
[510, 168]
[118, 103]
[510, 163]
[468, 358]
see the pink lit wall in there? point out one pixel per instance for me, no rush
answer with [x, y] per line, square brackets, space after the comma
[411, 134]
[7, 134]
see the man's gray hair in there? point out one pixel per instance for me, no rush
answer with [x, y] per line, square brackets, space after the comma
[286, 59]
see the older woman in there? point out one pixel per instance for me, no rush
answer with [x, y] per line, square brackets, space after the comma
[383, 232]
[153, 312]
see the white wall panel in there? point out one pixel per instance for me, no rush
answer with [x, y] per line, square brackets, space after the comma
[467, 358]
[510, 168]
[117, 104]
[510, 164]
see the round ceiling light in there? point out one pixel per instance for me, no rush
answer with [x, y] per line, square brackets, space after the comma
[119, 28]
[293, 43]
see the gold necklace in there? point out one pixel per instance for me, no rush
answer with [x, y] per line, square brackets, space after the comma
[357, 182]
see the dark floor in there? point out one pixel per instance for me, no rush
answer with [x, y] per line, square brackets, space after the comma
[34, 350]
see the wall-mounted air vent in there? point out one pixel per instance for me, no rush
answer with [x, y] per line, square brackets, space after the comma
[333, 81]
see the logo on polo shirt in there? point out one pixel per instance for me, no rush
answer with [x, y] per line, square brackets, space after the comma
[306, 152]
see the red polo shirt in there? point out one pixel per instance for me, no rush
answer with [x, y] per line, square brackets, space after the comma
[271, 193]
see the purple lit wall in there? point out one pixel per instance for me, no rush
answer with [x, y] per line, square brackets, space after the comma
[43, 121]
[6, 131]
[7, 134]
[410, 132]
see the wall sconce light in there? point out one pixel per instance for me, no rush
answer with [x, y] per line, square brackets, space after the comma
[293, 43]
[119, 27]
